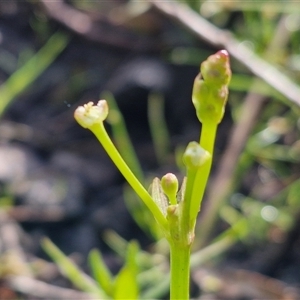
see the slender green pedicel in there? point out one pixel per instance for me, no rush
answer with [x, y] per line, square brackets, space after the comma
[91, 116]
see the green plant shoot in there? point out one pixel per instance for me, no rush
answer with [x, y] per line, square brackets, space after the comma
[176, 211]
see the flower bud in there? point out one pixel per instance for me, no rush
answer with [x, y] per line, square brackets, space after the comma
[169, 184]
[195, 156]
[90, 114]
[210, 89]
[216, 69]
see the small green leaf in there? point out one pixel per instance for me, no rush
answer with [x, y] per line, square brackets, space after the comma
[181, 192]
[115, 242]
[22, 78]
[100, 272]
[133, 250]
[158, 195]
[126, 286]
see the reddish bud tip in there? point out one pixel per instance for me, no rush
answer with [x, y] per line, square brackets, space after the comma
[223, 53]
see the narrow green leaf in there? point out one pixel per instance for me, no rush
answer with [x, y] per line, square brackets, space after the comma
[126, 285]
[132, 254]
[71, 271]
[181, 192]
[22, 78]
[158, 196]
[158, 127]
[100, 271]
[115, 242]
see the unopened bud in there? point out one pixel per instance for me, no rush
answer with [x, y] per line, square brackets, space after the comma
[210, 91]
[195, 156]
[216, 69]
[169, 184]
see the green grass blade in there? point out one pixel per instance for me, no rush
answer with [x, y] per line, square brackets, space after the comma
[26, 75]
[71, 271]
[126, 286]
[100, 271]
[158, 126]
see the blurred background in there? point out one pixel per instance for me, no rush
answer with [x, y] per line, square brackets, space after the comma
[142, 56]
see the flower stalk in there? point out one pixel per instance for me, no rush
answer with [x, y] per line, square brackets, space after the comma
[91, 116]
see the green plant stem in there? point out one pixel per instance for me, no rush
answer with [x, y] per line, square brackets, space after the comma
[208, 136]
[180, 271]
[121, 136]
[180, 249]
[207, 141]
[101, 134]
